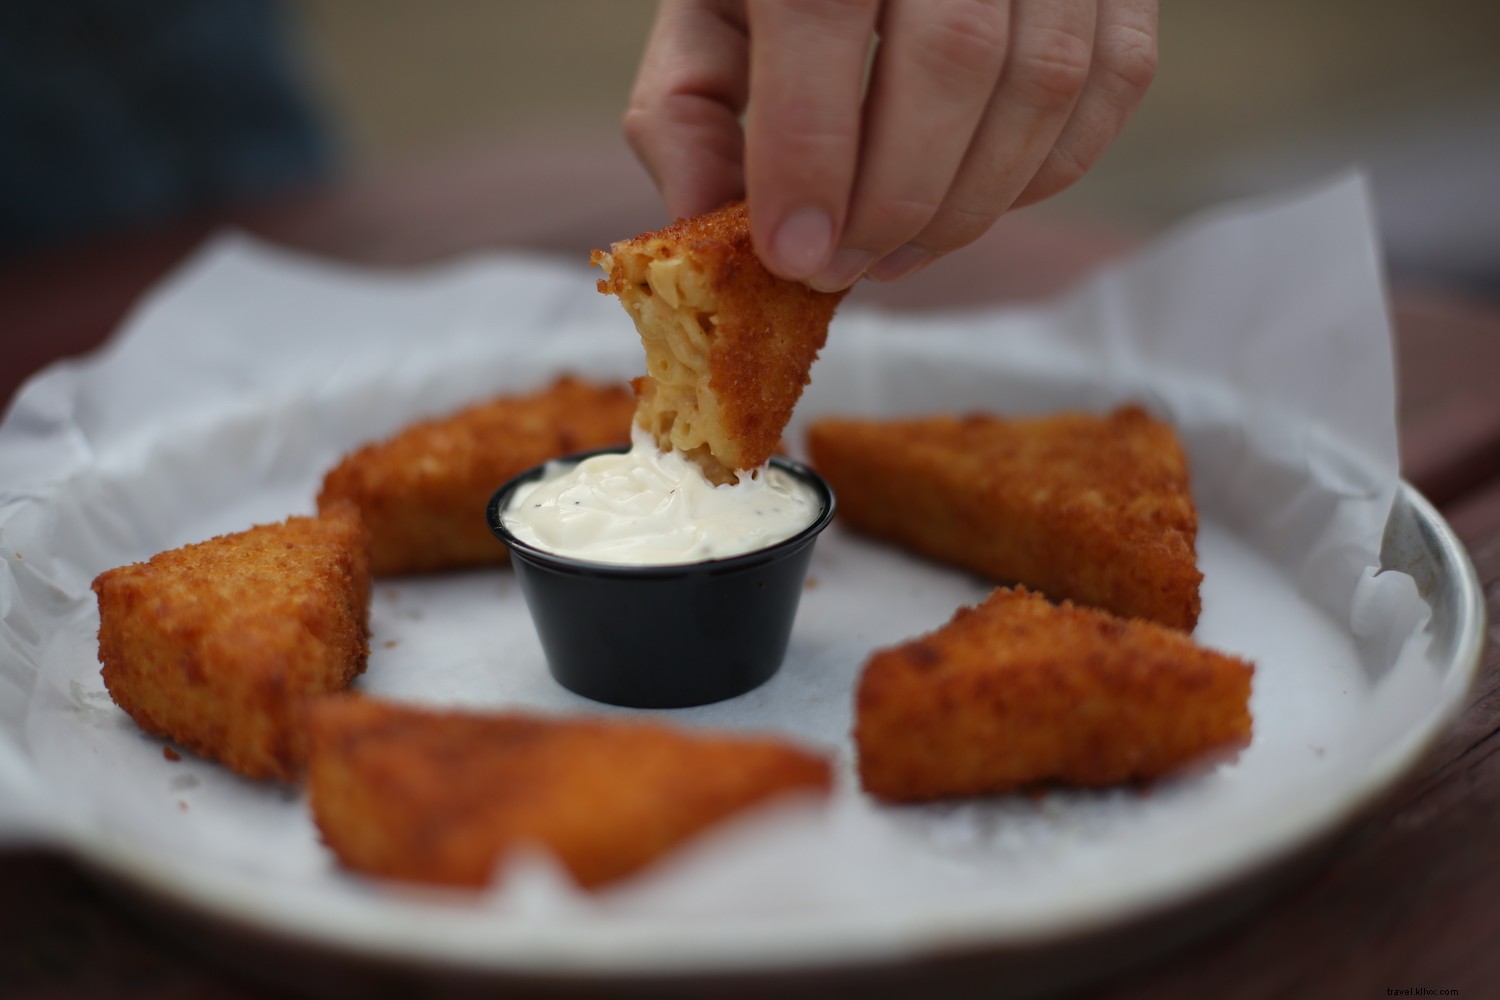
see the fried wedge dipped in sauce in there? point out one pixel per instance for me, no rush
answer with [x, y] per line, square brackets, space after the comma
[443, 797]
[422, 492]
[728, 344]
[218, 645]
[1092, 509]
[1019, 692]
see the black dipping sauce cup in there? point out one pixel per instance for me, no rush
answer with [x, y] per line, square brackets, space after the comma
[663, 636]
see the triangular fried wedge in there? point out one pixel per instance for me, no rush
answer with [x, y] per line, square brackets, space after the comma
[1018, 692]
[1092, 509]
[218, 645]
[728, 344]
[444, 796]
[422, 492]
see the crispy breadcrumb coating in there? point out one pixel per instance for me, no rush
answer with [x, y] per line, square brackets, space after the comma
[1093, 509]
[422, 493]
[728, 344]
[218, 645]
[444, 796]
[1019, 692]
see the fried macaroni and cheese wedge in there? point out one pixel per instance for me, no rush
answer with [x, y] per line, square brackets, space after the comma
[1092, 509]
[218, 645]
[1018, 692]
[728, 344]
[422, 492]
[444, 797]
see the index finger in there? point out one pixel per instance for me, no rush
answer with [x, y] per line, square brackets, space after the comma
[802, 131]
[683, 118]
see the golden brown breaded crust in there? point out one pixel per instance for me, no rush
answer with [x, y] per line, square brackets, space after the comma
[422, 493]
[728, 344]
[217, 645]
[1093, 509]
[1019, 692]
[444, 796]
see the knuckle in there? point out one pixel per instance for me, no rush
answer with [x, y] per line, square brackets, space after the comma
[653, 130]
[808, 128]
[835, 16]
[962, 44]
[1130, 55]
[638, 127]
[956, 226]
[881, 222]
[1052, 66]
[673, 110]
[1064, 168]
[835, 10]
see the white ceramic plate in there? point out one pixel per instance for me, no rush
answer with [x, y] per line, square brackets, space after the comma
[222, 407]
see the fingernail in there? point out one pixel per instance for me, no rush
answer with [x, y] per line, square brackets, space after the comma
[900, 262]
[802, 243]
[844, 269]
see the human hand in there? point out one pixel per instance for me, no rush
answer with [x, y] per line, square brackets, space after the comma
[972, 108]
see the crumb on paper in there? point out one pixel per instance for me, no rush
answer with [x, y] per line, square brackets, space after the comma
[171, 754]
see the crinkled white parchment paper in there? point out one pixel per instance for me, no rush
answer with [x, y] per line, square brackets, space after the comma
[1259, 330]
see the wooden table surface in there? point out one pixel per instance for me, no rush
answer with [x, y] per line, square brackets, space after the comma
[1407, 898]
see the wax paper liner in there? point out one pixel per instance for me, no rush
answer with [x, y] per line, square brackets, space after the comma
[1259, 330]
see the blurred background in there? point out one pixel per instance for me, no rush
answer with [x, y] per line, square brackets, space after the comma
[1249, 98]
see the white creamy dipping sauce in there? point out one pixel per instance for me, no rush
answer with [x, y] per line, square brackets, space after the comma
[647, 507]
